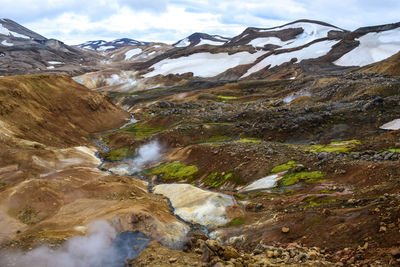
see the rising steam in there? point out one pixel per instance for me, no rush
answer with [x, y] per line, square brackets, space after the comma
[101, 247]
[146, 154]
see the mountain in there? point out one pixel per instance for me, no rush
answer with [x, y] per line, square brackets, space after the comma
[101, 45]
[23, 51]
[308, 46]
[199, 38]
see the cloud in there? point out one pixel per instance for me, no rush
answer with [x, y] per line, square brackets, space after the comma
[77, 21]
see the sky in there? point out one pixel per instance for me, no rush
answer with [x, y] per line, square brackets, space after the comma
[77, 21]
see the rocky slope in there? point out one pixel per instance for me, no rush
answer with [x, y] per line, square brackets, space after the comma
[101, 45]
[23, 51]
[200, 38]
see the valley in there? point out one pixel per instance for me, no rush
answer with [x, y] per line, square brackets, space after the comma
[277, 147]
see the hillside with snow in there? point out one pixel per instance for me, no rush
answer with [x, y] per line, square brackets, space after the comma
[101, 45]
[197, 39]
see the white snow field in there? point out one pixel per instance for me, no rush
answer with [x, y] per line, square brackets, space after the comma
[132, 52]
[311, 32]
[203, 64]
[374, 47]
[315, 50]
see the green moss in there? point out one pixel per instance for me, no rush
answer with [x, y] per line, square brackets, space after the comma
[219, 140]
[284, 167]
[174, 171]
[323, 191]
[214, 140]
[2, 185]
[394, 150]
[119, 154]
[225, 98]
[294, 178]
[216, 179]
[236, 222]
[318, 201]
[336, 147]
[141, 131]
[247, 140]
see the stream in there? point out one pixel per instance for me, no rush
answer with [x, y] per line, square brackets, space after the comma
[126, 238]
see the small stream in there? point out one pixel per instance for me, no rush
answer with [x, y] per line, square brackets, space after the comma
[125, 239]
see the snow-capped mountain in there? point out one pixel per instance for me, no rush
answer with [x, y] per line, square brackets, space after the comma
[199, 38]
[101, 45]
[23, 51]
[302, 46]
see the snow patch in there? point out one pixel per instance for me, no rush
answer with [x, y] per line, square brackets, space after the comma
[374, 47]
[311, 32]
[183, 43]
[55, 62]
[210, 42]
[6, 31]
[203, 64]
[392, 125]
[50, 67]
[313, 51]
[5, 43]
[104, 48]
[261, 42]
[133, 52]
[267, 182]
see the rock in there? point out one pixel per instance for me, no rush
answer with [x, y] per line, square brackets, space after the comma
[214, 245]
[172, 260]
[285, 229]
[395, 252]
[230, 253]
[382, 229]
[270, 254]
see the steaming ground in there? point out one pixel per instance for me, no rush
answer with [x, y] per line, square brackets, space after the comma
[146, 154]
[102, 246]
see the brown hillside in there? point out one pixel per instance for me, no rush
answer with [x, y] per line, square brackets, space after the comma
[54, 110]
[389, 66]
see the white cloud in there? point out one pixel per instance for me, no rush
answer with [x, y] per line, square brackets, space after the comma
[77, 21]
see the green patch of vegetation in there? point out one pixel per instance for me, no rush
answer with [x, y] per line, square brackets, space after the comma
[119, 154]
[394, 150]
[318, 201]
[174, 171]
[323, 191]
[2, 185]
[236, 222]
[216, 179]
[141, 131]
[336, 147]
[294, 178]
[284, 167]
[247, 140]
[226, 98]
[214, 140]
